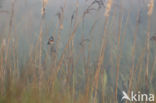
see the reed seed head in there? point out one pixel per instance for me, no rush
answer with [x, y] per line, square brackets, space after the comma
[108, 7]
[150, 7]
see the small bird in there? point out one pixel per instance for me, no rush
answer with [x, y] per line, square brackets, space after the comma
[51, 44]
[51, 51]
[51, 40]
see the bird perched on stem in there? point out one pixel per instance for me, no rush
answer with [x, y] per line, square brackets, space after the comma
[51, 44]
[50, 40]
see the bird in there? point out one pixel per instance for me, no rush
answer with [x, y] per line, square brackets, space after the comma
[51, 45]
[50, 40]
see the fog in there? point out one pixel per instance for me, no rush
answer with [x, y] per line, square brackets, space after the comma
[122, 22]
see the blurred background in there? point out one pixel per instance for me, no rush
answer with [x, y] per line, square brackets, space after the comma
[97, 55]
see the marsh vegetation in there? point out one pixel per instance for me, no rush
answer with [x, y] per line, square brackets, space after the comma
[101, 48]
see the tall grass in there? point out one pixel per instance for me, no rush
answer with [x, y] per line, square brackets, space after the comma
[99, 59]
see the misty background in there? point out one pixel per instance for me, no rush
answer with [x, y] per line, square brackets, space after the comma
[26, 28]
